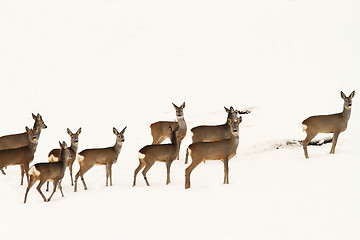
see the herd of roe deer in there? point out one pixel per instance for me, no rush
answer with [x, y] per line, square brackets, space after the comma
[218, 142]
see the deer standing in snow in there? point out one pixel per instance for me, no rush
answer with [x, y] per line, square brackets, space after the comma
[99, 156]
[150, 154]
[223, 150]
[160, 130]
[53, 171]
[333, 123]
[213, 133]
[54, 155]
[20, 139]
[22, 156]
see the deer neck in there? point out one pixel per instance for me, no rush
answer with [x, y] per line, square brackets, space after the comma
[32, 146]
[346, 113]
[117, 147]
[181, 122]
[74, 147]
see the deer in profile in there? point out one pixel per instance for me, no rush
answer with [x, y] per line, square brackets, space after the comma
[54, 155]
[333, 123]
[22, 156]
[20, 139]
[222, 150]
[46, 171]
[213, 133]
[160, 130]
[150, 154]
[99, 156]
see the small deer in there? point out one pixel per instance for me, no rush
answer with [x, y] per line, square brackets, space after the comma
[333, 123]
[20, 139]
[100, 156]
[54, 155]
[213, 133]
[223, 150]
[22, 156]
[160, 130]
[53, 171]
[150, 154]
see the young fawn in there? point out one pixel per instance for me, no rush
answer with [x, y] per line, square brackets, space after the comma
[334, 123]
[160, 130]
[20, 139]
[54, 155]
[223, 150]
[22, 156]
[213, 133]
[99, 156]
[150, 154]
[53, 171]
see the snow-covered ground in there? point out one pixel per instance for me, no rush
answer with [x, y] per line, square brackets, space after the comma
[99, 64]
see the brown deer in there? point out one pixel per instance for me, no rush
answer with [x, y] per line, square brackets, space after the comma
[22, 156]
[223, 150]
[333, 123]
[213, 133]
[20, 139]
[160, 130]
[53, 171]
[54, 155]
[150, 154]
[99, 156]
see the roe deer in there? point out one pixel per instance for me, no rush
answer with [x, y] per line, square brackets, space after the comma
[333, 123]
[54, 155]
[167, 153]
[22, 155]
[213, 133]
[46, 171]
[99, 156]
[160, 130]
[223, 150]
[20, 139]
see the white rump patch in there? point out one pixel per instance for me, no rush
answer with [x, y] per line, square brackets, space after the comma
[33, 171]
[80, 158]
[192, 134]
[141, 155]
[189, 151]
[304, 127]
[52, 158]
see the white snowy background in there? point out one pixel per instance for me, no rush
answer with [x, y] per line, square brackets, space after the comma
[99, 64]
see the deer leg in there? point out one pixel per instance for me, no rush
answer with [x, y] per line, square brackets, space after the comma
[80, 174]
[147, 167]
[226, 171]
[335, 138]
[3, 172]
[178, 156]
[141, 165]
[47, 186]
[56, 182]
[26, 170]
[188, 171]
[168, 165]
[31, 183]
[187, 156]
[108, 174]
[22, 174]
[39, 189]
[71, 173]
[306, 142]
[60, 187]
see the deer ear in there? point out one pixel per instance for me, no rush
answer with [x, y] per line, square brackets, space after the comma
[352, 94]
[115, 131]
[33, 116]
[183, 105]
[343, 96]
[69, 131]
[122, 131]
[227, 110]
[78, 131]
[27, 129]
[64, 144]
[176, 107]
